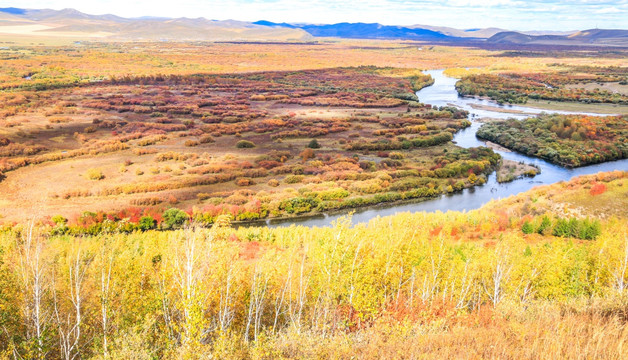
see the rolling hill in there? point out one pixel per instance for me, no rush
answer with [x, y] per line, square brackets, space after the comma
[364, 31]
[461, 33]
[75, 25]
[597, 37]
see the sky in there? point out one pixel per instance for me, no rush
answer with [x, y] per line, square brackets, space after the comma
[463, 14]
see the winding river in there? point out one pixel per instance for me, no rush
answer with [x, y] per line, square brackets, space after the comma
[443, 93]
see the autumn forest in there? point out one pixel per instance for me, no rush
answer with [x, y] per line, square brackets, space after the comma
[140, 182]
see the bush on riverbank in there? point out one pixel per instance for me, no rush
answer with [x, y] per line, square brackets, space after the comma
[567, 140]
[564, 85]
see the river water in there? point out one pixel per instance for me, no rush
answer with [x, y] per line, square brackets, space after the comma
[443, 93]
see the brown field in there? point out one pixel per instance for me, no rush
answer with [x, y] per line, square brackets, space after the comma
[90, 108]
[165, 142]
[89, 61]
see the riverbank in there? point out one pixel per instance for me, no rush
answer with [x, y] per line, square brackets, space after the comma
[497, 147]
[443, 93]
[500, 109]
[566, 140]
[610, 109]
[550, 106]
[372, 270]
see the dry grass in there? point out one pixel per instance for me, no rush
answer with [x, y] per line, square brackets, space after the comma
[614, 87]
[573, 197]
[575, 107]
[543, 331]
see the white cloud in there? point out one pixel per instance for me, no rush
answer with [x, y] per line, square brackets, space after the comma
[609, 10]
[485, 3]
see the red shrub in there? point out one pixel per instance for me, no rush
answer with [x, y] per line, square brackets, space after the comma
[597, 189]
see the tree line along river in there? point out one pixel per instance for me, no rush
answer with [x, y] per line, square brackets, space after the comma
[444, 93]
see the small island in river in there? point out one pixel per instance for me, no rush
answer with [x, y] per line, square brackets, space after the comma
[566, 140]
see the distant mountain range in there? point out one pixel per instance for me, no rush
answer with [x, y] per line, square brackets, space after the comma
[363, 31]
[74, 24]
[77, 25]
[600, 37]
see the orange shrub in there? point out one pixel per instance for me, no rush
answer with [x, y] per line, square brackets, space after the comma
[597, 189]
[244, 182]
